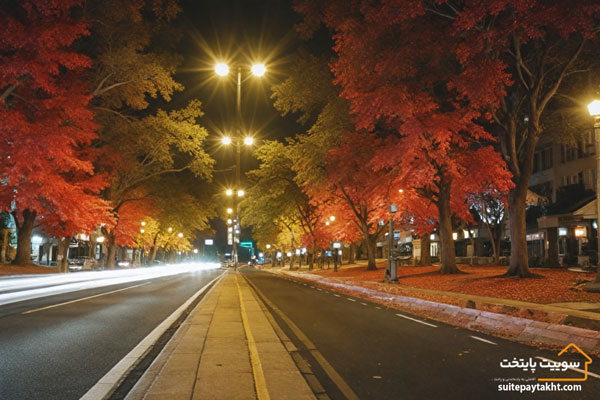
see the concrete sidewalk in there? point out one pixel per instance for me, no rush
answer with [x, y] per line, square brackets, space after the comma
[226, 349]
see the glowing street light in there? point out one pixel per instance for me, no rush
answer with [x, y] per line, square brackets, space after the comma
[332, 218]
[594, 109]
[268, 246]
[229, 192]
[195, 251]
[258, 69]
[142, 230]
[229, 221]
[401, 190]
[180, 235]
[170, 229]
[240, 193]
[143, 223]
[222, 69]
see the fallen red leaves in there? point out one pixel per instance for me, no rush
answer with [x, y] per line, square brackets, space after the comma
[554, 285]
[27, 269]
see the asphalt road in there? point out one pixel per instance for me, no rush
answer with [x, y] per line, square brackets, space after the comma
[381, 355]
[61, 352]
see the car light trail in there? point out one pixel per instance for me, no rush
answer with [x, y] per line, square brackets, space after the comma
[26, 288]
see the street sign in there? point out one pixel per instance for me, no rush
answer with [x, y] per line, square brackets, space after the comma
[208, 242]
[337, 245]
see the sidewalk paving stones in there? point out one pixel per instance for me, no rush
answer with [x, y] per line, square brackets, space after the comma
[210, 357]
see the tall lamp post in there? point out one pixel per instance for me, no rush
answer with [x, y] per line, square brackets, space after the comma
[594, 109]
[222, 69]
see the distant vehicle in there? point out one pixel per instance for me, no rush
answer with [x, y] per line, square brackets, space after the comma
[82, 263]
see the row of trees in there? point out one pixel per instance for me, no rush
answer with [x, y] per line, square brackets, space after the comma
[81, 145]
[445, 100]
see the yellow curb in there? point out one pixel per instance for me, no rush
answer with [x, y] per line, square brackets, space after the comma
[262, 392]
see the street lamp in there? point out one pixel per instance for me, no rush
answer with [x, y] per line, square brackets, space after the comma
[240, 193]
[391, 269]
[229, 210]
[229, 192]
[180, 235]
[222, 69]
[258, 69]
[594, 109]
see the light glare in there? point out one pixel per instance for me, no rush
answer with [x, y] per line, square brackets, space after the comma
[222, 69]
[226, 140]
[248, 141]
[594, 108]
[259, 69]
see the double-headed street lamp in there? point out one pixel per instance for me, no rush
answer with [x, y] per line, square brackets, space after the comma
[222, 69]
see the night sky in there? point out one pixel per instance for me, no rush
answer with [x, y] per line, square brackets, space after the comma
[241, 32]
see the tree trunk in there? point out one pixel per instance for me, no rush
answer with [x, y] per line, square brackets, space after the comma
[553, 247]
[519, 262]
[311, 255]
[448, 258]
[62, 262]
[425, 249]
[111, 250]
[495, 245]
[292, 261]
[24, 230]
[5, 240]
[352, 253]
[152, 255]
[371, 242]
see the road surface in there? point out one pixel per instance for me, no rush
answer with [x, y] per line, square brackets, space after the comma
[62, 351]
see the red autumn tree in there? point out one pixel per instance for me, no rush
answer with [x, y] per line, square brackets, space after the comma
[397, 65]
[47, 173]
[355, 194]
[517, 58]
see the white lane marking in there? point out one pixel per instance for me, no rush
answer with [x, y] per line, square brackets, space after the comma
[106, 384]
[483, 340]
[379, 308]
[305, 284]
[364, 304]
[350, 299]
[574, 369]
[320, 289]
[82, 299]
[337, 295]
[416, 320]
[312, 287]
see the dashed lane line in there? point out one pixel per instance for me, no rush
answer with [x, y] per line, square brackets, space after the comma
[416, 320]
[483, 340]
[574, 369]
[348, 298]
[82, 299]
